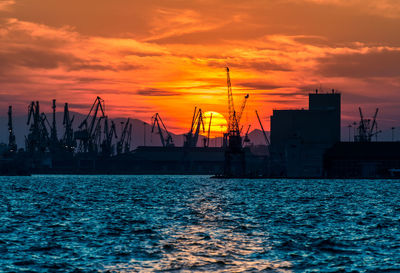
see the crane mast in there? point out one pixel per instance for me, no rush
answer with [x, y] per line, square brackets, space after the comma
[12, 145]
[231, 107]
[128, 140]
[68, 140]
[124, 134]
[54, 127]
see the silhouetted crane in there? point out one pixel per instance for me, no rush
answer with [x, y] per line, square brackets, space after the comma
[12, 144]
[89, 130]
[262, 129]
[365, 129]
[246, 136]
[68, 141]
[207, 141]
[121, 144]
[109, 133]
[38, 137]
[128, 141]
[193, 135]
[240, 113]
[165, 141]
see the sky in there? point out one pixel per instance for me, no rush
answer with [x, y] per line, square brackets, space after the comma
[144, 57]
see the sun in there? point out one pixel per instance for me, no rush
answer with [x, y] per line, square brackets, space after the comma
[218, 124]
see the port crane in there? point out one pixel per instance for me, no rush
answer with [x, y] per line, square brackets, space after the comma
[53, 135]
[68, 141]
[165, 141]
[232, 138]
[262, 129]
[109, 133]
[197, 124]
[235, 164]
[89, 130]
[207, 141]
[38, 137]
[12, 144]
[366, 129]
[125, 135]
[246, 136]
[240, 113]
[128, 141]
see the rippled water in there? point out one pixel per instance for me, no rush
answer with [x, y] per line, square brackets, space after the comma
[194, 223]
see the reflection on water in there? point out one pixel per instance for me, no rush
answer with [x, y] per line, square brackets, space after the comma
[212, 241]
[194, 223]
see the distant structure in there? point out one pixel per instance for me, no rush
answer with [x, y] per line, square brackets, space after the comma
[299, 138]
[367, 128]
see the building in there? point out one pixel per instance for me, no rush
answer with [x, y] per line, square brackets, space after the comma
[362, 160]
[299, 138]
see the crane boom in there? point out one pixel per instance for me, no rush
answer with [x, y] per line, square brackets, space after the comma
[262, 128]
[240, 113]
[209, 130]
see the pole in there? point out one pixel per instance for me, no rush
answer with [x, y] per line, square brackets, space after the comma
[349, 130]
[144, 133]
[392, 133]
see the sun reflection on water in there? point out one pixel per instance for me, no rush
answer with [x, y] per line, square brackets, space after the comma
[210, 241]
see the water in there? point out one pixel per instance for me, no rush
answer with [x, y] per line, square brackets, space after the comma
[194, 223]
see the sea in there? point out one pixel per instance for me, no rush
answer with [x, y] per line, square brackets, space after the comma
[68, 223]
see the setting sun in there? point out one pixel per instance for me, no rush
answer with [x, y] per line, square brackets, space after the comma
[218, 124]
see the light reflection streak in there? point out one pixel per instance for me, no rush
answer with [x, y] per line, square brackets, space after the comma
[209, 242]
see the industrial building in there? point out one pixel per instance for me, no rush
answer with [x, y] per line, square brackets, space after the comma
[363, 160]
[299, 138]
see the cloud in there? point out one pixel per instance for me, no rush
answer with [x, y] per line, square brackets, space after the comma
[5, 5]
[377, 63]
[259, 85]
[153, 92]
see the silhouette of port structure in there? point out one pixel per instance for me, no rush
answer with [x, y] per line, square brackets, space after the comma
[303, 143]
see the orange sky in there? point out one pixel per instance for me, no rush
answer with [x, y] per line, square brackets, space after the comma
[161, 56]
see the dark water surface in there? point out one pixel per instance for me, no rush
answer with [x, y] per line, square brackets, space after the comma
[194, 223]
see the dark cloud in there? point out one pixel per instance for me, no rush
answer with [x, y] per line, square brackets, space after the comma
[153, 92]
[374, 64]
[261, 66]
[250, 64]
[35, 58]
[258, 85]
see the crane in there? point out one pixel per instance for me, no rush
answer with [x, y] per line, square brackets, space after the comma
[231, 107]
[54, 139]
[197, 124]
[68, 141]
[240, 113]
[124, 134]
[366, 130]
[165, 141]
[38, 138]
[207, 141]
[232, 138]
[246, 136]
[128, 140]
[87, 129]
[109, 133]
[262, 129]
[12, 145]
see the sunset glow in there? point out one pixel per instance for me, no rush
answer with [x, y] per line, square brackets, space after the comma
[169, 56]
[218, 124]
